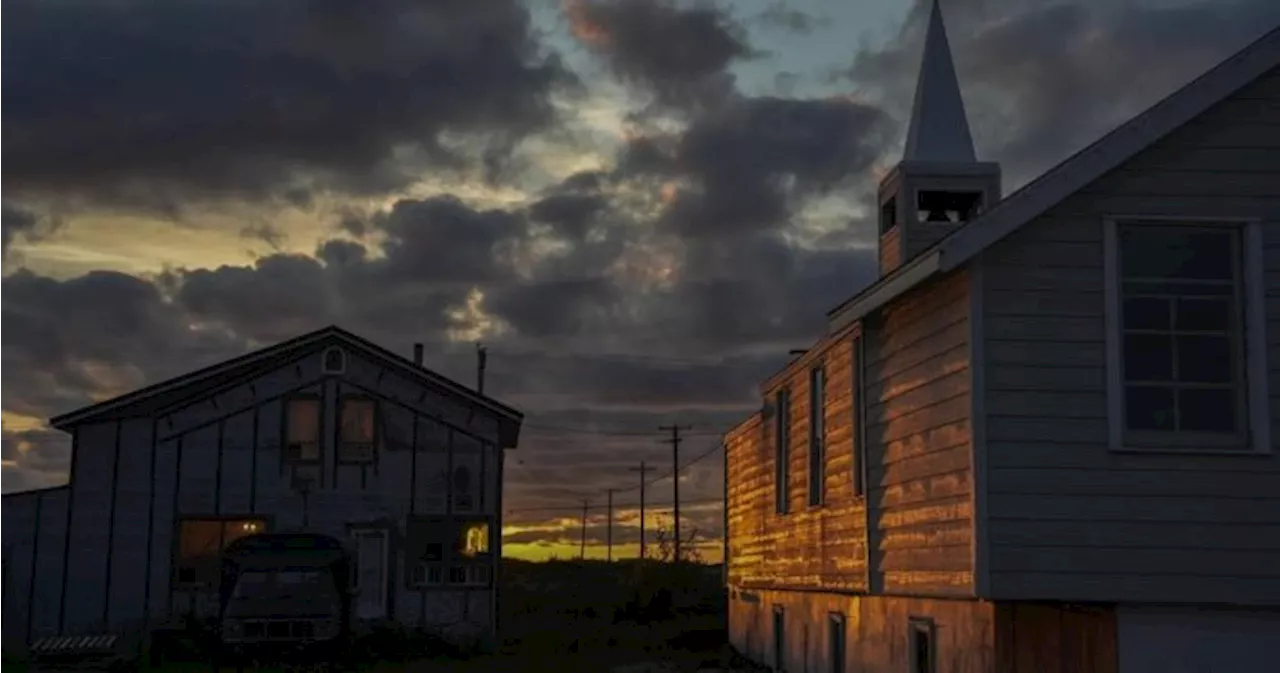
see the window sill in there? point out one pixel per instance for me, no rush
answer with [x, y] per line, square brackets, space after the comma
[1238, 452]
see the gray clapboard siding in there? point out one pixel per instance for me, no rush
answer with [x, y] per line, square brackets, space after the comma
[1068, 519]
[917, 430]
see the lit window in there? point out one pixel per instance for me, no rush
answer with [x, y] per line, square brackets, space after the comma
[357, 421]
[200, 543]
[475, 538]
[1181, 335]
[302, 430]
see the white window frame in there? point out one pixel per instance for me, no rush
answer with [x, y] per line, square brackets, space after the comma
[1257, 407]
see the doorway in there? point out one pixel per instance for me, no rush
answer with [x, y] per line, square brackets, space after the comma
[370, 572]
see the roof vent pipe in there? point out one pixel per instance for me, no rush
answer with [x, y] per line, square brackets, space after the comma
[417, 354]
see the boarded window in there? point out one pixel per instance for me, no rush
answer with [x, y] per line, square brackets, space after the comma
[357, 420]
[302, 430]
[200, 543]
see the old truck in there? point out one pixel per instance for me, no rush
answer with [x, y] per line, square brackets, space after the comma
[285, 596]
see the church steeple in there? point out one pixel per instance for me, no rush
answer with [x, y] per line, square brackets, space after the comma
[939, 130]
[939, 185]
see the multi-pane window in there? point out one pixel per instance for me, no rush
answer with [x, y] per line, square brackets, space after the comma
[357, 419]
[781, 450]
[302, 430]
[817, 434]
[1181, 324]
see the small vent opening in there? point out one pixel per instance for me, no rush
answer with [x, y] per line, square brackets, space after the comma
[335, 360]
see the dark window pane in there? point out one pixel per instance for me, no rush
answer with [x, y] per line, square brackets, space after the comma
[1181, 252]
[1148, 408]
[1204, 314]
[1207, 409]
[1167, 287]
[1148, 357]
[1146, 313]
[1204, 359]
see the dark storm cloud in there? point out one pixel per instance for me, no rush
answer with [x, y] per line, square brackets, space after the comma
[43, 454]
[680, 54]
[151, 100]
[1042, 80]
[16, 221]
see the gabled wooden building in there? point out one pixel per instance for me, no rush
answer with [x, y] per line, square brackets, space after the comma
[1044, 439]
[325, 433]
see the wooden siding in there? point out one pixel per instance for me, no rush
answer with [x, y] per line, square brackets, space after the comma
[918, 442]
[132, 480]
[818, 547]
[1070, 519]
[1054, 638]
[876, 630]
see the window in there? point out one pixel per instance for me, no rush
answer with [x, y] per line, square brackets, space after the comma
[1179, 310]
[939, 207]
[859, 420]
[922, 657]
[356, 430]
[469, 575]
[302, 430]
[334, 361]
[779, 639]
[781, 452]
[888, 215]
[462, 497]
[200, 544]
[835, 641]
[817, 434]
[425, 574]
[474, 539]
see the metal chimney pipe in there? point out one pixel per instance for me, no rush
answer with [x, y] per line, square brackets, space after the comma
[417, 354]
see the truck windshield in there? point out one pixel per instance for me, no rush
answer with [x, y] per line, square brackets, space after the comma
[282, 583]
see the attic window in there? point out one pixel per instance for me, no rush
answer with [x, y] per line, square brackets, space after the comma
[889, 215]
[335, 361]
[937, 207]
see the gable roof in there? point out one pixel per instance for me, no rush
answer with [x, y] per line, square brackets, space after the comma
[245, 366]
[1068, 177]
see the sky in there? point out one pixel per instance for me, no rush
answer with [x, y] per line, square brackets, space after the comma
[639, 206]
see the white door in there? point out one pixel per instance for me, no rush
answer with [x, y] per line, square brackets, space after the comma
[370, 573]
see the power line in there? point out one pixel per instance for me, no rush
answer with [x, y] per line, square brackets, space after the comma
[612, 433]
[626, 505]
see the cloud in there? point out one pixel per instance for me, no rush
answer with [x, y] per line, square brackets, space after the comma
[19, 222]
[261, 100]
[1042, 80]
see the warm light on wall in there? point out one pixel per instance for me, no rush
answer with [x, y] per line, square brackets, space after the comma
[475, 539]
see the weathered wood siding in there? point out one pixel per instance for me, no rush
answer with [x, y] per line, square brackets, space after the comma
[221, 455]
[876, 630]
[1070, 519]
[818, 547]
[918, 442]
[1055, 638]
[35, 525]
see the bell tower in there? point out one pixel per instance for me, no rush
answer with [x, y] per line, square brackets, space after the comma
[939, 185]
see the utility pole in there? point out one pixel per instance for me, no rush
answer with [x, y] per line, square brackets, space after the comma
[482, 354]
[675, 479]
[609, 530]
[582, 546]
[644, 475]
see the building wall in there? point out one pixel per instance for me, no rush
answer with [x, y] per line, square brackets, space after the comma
[918, 442]
[1070, 519]
[1189, 640]
[134, 478]
[876, 630]
[35, 524]
[809, 547]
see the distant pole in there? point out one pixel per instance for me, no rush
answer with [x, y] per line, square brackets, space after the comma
[582, 546]
[482, 354]
[644, 474]
[675, 480]
[609, 531]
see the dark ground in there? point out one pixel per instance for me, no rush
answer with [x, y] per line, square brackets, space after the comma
[570, 616]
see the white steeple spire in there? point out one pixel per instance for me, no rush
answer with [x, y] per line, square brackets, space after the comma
[939, 131]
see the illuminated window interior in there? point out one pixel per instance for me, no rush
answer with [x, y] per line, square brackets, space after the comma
[200, 541]
[357, 419]
[475, 538]
[302, 430]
